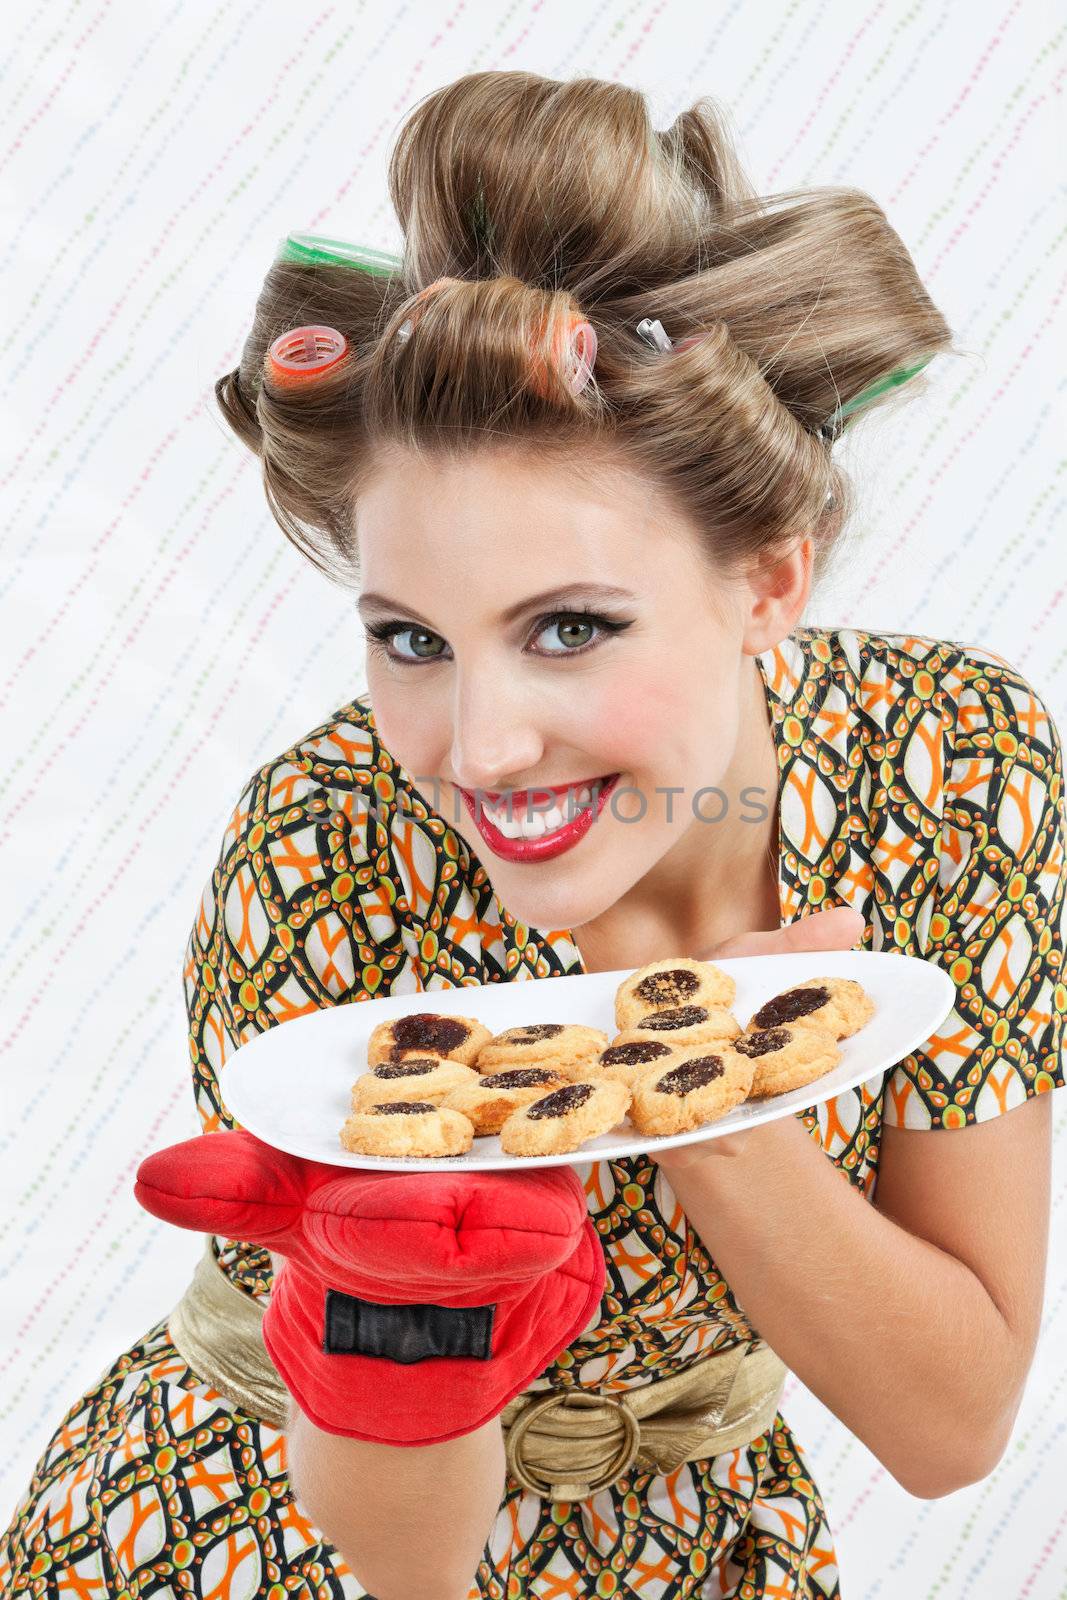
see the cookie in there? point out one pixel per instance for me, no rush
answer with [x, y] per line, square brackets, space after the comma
[407, 1128]
[662, 985]
[699, 1087]
[564, 1119]
[562, 1047]
[839, 1006]
[489, 1101]
[414, 1078]
[428, 1033]
[684, 1027]
[786, 1057]
[629, 1062]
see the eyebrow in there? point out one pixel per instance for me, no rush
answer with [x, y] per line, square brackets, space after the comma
[569, 591]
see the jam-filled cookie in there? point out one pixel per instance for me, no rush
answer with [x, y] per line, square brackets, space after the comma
[699, 1087]
[428, 1033]
[786, 1057]
[565, 1119]
[840, 1006]
[629, 1062]
[563, 1047]
[414, 1078]
[407, 1128]
[684, 1027]
[662, 985]
[489, 1101]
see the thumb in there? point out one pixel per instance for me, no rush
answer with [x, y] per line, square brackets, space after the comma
[836, 928]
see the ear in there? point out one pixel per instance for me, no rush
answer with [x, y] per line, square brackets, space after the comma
[228, 1183]
[778, 586]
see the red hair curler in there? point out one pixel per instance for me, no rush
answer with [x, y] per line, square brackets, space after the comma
[574, 347]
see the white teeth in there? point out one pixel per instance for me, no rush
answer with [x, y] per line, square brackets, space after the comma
[528, 823]
[538, 824]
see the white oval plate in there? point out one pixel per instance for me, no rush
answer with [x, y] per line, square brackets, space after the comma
[290, 1086]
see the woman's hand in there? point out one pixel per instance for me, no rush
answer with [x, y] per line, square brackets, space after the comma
[837, 928]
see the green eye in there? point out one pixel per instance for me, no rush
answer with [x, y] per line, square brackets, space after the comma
[576, 631]
[424, 645]
[573, 631]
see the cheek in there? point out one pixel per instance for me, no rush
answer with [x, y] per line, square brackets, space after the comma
[645, 723]
[624, 718]
[409, 732]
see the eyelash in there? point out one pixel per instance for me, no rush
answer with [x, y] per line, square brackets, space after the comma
[380, 633]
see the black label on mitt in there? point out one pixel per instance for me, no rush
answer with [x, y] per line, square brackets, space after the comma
[405, 1333]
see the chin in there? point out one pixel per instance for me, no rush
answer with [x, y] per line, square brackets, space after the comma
[546, 905]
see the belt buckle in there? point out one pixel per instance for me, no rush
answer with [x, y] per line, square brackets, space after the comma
[622, 1458]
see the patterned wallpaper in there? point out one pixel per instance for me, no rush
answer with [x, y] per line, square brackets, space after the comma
[161, 640]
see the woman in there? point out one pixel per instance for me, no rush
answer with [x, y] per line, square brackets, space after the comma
[583, 552]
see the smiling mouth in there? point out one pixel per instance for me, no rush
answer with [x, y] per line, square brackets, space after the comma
[513, 813]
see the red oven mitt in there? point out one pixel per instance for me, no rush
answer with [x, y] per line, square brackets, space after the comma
[412, 1305]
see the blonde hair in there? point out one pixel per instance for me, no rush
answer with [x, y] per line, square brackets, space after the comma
[547, 200]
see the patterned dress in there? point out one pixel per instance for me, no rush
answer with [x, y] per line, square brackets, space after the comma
[920, 781]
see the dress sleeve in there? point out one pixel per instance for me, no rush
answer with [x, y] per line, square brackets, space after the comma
[298, 913]
[996, 926]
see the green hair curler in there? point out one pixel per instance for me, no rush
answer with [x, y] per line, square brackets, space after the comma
[837, 420]
[314, 250]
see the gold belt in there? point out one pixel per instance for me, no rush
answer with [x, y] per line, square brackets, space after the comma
[561, 1444]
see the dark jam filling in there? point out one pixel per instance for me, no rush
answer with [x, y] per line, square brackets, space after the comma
[561, 1101]
[414, 1066]
[667, 988]
[400, 1108]
[632, 1055]
[517, 1078]
[676, 1017]
[787, 1007]
[425, 1030]
[531, 1034]
[762, 1042]
[691, 1075]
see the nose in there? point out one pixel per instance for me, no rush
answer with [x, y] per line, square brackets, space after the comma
[496, 737]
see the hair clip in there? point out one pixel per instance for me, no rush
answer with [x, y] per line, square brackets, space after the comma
[314, 250]
[653, 335]
[306, 353]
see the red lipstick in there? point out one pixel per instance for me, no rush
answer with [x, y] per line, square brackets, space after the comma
[549, 844]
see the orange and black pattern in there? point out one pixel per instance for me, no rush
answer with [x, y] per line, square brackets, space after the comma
[921, 781]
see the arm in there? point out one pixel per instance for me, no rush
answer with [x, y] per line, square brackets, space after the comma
[409, 1308]
[893, 1332]
[365, 1494]
[408, 1521]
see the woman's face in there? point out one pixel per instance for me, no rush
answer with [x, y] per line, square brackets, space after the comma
[530, 632]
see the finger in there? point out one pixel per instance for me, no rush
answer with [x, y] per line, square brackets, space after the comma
[835, 928]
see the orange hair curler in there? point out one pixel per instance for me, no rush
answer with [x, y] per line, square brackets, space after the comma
[303, 354]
